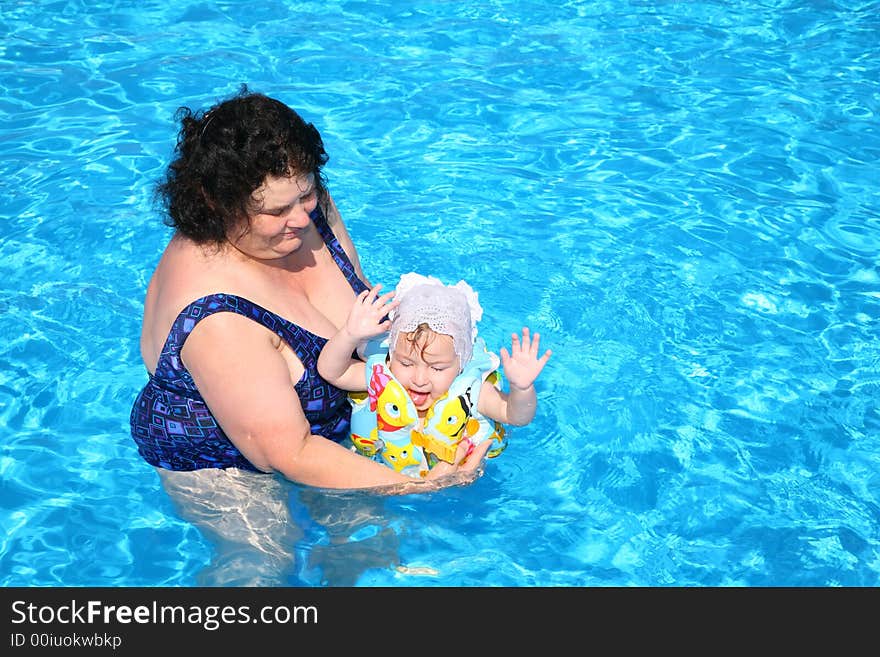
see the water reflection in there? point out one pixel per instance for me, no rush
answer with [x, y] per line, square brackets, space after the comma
[360, 535]
[265, 531]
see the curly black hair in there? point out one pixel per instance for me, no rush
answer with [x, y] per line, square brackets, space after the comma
[224, 154]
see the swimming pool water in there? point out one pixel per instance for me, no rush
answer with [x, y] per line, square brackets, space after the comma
[682, 198]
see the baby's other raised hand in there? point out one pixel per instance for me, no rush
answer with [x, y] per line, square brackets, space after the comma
[365, 319]
[522, 365]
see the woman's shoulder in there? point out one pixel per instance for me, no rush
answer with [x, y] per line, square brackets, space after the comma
[188, 272]
[185, 264]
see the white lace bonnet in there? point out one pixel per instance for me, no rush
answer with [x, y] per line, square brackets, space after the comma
[448, 309]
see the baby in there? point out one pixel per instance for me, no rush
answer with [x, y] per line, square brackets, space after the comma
[432, 384]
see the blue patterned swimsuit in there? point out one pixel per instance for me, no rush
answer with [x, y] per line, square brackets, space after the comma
[170, 422]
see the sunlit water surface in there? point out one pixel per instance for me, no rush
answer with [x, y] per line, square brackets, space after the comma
[682, 198]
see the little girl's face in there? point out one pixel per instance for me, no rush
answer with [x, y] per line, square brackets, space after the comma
[425, 368]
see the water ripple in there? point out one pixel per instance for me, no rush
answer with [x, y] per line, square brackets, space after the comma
[682, 200]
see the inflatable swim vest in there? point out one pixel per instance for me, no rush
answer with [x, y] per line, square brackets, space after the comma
[386, 427]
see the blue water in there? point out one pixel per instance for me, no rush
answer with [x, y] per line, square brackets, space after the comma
[682, 198]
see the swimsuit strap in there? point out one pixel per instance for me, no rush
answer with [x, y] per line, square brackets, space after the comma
[171, 373]
[336, 250]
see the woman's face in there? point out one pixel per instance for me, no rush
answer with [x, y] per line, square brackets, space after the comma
[280, 220]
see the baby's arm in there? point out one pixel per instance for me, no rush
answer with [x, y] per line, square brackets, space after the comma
[335, 363]
[521, 367]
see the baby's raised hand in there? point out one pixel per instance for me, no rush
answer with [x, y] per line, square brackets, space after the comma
[365, 318]
[522, 365]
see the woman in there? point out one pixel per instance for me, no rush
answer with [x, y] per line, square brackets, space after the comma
[259, 273]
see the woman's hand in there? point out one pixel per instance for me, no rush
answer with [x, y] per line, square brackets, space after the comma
[466, 466]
